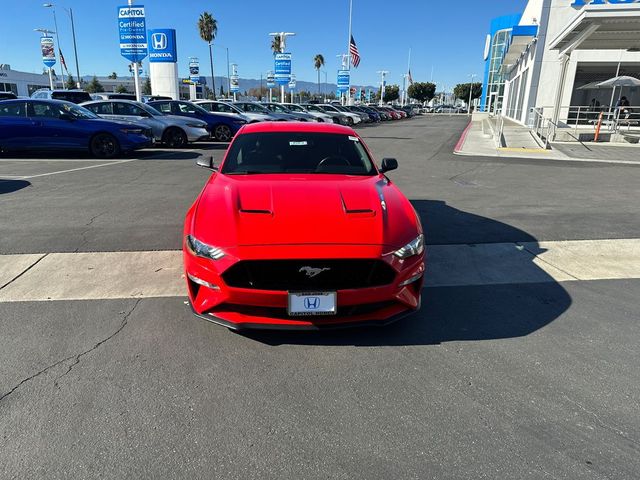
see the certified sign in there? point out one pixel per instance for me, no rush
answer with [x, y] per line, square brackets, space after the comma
[343, 80]
[271, 80]
[235, 83]
[282, 64]
[48, 51]
[194, 70]
[133, 32]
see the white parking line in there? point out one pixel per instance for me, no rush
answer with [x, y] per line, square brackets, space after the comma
[50, 160]
[27, 177]
[111, 275]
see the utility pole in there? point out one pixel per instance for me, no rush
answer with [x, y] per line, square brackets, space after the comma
[73, 32]
[383, 74]
[470, 91]
[55, 24]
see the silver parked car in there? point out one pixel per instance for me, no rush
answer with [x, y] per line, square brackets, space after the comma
[320, 117]
[173, 131]
[281, 109]
[216, 106]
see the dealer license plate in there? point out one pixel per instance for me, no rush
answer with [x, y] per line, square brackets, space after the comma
[312, 303]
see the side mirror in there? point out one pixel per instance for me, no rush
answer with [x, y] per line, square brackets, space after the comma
[206, 162]
[388, 164]
[67, 116]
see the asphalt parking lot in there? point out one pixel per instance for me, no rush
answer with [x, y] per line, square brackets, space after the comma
[530, 372]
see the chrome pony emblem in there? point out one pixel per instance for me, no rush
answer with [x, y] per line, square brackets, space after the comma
[313, 272]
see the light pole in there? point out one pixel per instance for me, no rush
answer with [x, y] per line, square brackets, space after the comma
[473, 75]
[382, 73]
[73, 33]
[45, 33]
[283, 36]
[55, 24]
[228, 74]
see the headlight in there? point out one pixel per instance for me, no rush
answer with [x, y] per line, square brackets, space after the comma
[197, 125]
[199, 249]
[415, 247]
[240, 122]
[132, 131]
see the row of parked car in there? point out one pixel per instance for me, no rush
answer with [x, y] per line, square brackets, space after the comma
[110, 124]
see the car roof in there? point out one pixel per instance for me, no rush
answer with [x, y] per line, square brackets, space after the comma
[263, 127]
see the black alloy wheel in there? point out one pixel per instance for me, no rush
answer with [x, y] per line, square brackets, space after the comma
[104, 145]
[175, 138]
[222, 133]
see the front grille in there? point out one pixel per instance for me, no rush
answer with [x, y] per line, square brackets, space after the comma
[309, 274]
[276, 313]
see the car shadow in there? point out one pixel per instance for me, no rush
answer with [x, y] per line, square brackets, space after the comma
[10, 186]
[460, 312]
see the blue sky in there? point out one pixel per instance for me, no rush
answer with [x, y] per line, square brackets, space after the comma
[446, 35]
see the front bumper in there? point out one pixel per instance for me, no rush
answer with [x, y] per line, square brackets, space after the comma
[245, 308]
[195, 134]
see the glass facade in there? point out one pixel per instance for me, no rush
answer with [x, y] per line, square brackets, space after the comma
[495, 80]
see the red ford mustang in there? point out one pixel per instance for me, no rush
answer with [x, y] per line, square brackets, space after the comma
[298, 229]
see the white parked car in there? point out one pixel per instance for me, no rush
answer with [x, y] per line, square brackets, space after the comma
[321, 117]
[331, 108]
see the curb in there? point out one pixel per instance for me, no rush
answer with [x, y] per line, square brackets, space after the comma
[462, 138]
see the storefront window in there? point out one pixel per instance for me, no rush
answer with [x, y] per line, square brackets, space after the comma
[9, 87]
[495, 84]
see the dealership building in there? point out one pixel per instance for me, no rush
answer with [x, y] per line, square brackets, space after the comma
[548, 59]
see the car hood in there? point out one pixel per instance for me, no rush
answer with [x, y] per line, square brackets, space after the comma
[178, 120]
[303, 209]
[116, 123]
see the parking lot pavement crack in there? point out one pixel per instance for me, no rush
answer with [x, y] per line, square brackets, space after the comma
[535, 255]
[23, 272]
[76, 358]
[86, 230]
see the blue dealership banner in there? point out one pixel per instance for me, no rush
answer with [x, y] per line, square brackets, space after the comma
[271, 80]
[343, 80]
[282, 67]
[132, 29]
[162, 46]
[194, 70]
[48, 51]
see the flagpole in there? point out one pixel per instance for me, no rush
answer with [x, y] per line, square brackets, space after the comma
[348, 94]
[404, 100]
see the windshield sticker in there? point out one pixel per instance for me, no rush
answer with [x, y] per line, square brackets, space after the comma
[298, 144]
[354, 139]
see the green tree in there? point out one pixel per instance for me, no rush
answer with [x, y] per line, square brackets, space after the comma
[462, 91]
[318, 63]
[71, 83]
[422, 91]
[391, 93]
[113, 76]
[121, 89]
[146, 88]
[276, 44]
[94, 86]
[208, 28]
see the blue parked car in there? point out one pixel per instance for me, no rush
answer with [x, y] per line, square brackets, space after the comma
[221, 126]
[59, 125]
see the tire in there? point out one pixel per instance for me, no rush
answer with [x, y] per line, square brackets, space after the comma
[175, 138]
[104, 145]
[350, 121]
[222, 133]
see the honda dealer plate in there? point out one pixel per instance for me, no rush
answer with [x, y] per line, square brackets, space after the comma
[312, 303]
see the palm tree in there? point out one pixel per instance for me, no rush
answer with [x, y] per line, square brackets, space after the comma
[208, 27]
[276, 44]
[318, 63]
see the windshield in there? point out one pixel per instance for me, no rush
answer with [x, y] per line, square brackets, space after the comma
[298, 152]
[329, 108]
[77, 111]
[295, 108]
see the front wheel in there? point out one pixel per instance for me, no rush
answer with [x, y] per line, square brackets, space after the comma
[222, 133]
[350, 121]
[104, 145]
[175, 138]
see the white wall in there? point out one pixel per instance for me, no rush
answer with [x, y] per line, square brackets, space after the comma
[164, 79]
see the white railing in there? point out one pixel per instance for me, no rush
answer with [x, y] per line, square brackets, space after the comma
[543, 127]
[499, 131]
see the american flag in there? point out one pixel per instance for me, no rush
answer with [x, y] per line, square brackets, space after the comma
[64, 64]
[353, 51]
[410, 78]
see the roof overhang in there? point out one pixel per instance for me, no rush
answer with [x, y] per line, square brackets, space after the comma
[601, 27]
[521, 37]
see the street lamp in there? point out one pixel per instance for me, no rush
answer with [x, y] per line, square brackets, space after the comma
[473, 75]
[382, 73]
[73, 32]
[45, 33]
[228, 77]
[283, 36]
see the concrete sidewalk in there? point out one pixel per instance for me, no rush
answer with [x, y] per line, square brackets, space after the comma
[479, 140]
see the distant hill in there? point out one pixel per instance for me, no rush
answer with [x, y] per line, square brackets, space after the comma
[249, 83]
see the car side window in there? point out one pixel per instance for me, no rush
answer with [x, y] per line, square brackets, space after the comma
[186, 108]
[101, 108]
[45, 110]
[224, 108]
[12, 109]
[126, 109]
[164, 107]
